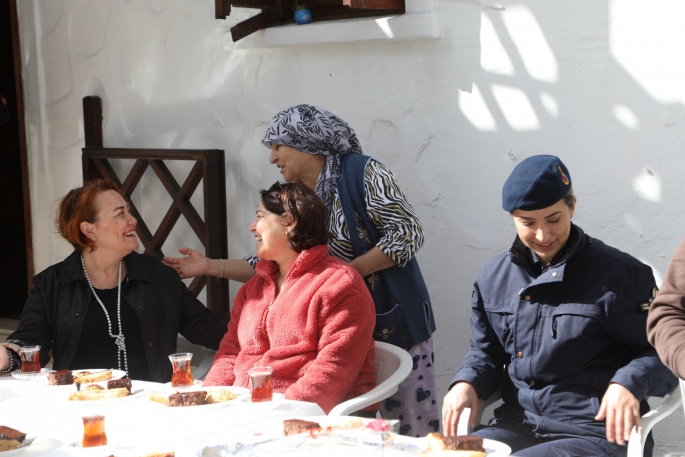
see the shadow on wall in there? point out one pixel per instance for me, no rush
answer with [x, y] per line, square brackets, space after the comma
[598, 98]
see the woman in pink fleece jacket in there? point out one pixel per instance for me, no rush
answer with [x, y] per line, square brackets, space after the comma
[306, 314]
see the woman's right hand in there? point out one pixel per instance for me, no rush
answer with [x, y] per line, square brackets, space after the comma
[461, 396]
[195, 264]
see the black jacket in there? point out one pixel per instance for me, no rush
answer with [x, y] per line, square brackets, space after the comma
[54, 312]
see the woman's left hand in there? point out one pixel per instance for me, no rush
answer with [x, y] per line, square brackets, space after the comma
[621, 410]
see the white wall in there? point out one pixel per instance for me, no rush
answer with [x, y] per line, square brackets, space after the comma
[599, 83]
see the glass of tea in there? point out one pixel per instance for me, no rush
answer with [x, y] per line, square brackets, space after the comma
[260, 384]
[181, 377]
[30, 359]
[94, 431]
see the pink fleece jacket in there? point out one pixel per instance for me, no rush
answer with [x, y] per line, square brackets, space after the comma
[316, 334]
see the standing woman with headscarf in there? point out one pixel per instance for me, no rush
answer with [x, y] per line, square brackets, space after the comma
[376, 231]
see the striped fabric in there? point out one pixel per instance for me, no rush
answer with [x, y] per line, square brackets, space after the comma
[388, 208]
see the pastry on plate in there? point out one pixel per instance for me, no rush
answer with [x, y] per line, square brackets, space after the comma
[194, 398]
[295, 426]
[10, 438]
[461, 446]
[86, 376]
[96, 392]
[219, 396]
[60, 378]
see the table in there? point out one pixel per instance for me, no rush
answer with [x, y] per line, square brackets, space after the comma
[134, 427]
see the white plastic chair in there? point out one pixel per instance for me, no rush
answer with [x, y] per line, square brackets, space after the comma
[673, 402]
[202, 357]
[393, 366]
[637, 440]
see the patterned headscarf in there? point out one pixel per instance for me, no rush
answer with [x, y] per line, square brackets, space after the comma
[314, 130]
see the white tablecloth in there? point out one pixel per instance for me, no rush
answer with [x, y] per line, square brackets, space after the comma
[134, 427]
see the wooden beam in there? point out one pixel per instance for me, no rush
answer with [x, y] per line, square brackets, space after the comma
[92, 121]
[222, 8]
[214, 185]
[253, 24]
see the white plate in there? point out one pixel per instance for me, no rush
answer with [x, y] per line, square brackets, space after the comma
[135, 393]
[351, 423]
[239, 391]
[43, 380]
[496, 448]
[40, 448]
[94, 451]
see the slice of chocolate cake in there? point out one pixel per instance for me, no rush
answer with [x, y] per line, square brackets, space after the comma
[194, 398]
[119, 384]
[295, 426]
[437, 442]
[10, 438]
[60, 378]
[7, 433]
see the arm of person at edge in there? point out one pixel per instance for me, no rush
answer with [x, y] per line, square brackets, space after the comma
[196, 264]
[34, 326]
[402, 236]
[666, 320]
[4, 358]
[644, 375]
[221, 373]
[480, 374]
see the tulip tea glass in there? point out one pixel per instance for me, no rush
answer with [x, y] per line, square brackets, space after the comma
[94, 431]
[181, 377]
[30, 359]
[260, 384]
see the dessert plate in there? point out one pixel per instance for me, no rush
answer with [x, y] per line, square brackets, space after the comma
[238, 391]
[38, 448]
[135, 393]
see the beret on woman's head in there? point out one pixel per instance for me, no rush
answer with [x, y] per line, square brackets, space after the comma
[537, 182]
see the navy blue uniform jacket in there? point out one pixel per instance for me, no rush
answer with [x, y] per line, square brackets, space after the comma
[554, 340]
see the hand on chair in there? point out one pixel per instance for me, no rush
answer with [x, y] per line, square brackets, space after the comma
[621, 410]
[461, 396]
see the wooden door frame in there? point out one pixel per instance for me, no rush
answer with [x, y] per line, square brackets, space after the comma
[21, 121]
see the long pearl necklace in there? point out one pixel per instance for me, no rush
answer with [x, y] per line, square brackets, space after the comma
[119, 339]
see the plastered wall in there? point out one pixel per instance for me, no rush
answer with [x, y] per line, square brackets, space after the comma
[598, 83]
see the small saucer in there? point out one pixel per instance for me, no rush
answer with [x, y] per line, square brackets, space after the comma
[276, 401]
[28, 376]
[197, 383]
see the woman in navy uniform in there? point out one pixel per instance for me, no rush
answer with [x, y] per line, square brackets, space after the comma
[559, 324]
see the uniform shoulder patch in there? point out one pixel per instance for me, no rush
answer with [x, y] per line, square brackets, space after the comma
[645, 306]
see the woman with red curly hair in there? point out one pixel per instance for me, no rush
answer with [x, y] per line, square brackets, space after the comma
[106, 305]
